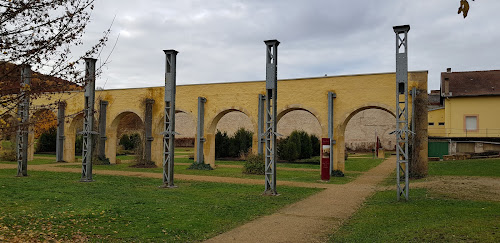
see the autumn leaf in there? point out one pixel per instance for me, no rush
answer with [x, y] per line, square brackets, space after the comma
[464, 8]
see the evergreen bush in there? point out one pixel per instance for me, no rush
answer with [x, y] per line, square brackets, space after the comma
[255, 164]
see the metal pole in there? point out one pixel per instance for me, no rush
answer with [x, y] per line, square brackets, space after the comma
[199, 131]
[331, 98]
[23, 116]
[61, 110]
[260, 132]
[169, 118]
[148, 127]
[88, 120]
[103, 105]
[271, 113]
[402, 109]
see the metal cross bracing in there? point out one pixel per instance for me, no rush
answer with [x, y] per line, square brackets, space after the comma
[169, 118]
[88, 120]
[23, 116]
[402, 130]
[270, 115]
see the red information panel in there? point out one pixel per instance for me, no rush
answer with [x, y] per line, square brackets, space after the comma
[325, 159]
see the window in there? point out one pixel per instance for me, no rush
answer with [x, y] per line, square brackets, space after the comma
[471, 123]
[431, 123]
[441, 123]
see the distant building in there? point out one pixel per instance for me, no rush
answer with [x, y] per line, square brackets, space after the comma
[466, 114]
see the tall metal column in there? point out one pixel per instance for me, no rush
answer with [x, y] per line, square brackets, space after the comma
[260, 130]
[148, 129]
[88, 120]
[103, 106]
[331, 98]
[23, 116]
[61, 110]
[169, 118]
[271, 113]
[402, 131]
[199, 131]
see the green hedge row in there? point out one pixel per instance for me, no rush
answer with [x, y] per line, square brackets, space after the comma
[232, 146]
[299, 145]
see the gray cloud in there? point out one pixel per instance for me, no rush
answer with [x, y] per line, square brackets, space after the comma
[221, 41]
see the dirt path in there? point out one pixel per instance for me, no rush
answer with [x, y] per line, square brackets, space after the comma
[312, 219]
[59, 168]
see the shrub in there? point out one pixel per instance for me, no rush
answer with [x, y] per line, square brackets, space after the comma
[316, 145]
[79, 144]
[305, 145]
[288, 149]
[130, 142]
[337, 173]
[8, 155]
[234, 146]
[47, 141]
[255, 164]
[200, 166]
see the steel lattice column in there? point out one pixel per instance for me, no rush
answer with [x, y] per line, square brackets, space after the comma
[199, 130]
[23, 116]
[260, 129]
[402, 132]
[103, 105]
[169, 118]
[148, 129]
[88, 120]
[331, 98]
[61, 110]
[270, 115]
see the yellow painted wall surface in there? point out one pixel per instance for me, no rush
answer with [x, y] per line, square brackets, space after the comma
[436, 117]
[485, 107]
[354, 94]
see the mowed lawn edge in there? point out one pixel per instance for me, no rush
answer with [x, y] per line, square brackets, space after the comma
[429, 216]
[56, 206]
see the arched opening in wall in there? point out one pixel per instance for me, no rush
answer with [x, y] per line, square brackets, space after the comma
[185, 126]
[365, 126]
[301, 132]
[129, 133]
[234, 134]
[45, 131]
[75, 129]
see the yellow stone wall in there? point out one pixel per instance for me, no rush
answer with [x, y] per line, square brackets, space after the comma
[354, 94]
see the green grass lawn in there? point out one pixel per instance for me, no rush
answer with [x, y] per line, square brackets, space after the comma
[471, 167]
[361, 164]
[37, 161]
[299, 176]
[425, 218]
[49, 206]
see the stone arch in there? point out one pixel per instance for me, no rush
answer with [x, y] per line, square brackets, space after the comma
[209, 147]
[160, 120]
[158, 129]
[340, 129]
[313, 112]
[112, 133]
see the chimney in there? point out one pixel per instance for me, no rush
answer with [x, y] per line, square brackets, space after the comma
[448, 70]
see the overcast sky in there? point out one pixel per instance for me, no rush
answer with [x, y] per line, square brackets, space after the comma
[222, 40]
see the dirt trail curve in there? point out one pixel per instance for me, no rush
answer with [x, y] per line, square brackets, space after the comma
[312, 219]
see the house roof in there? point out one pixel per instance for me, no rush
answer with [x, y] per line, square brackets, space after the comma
[476, 83]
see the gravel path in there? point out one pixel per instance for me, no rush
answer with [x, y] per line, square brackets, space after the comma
[312, 219]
